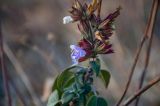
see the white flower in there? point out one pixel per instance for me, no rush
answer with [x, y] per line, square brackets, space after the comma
[67, 19]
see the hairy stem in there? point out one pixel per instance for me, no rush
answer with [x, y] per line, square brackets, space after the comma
[150, 35]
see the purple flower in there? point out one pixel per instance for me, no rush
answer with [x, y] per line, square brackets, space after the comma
[77, 53]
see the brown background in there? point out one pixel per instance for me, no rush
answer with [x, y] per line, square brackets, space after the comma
[37, 47]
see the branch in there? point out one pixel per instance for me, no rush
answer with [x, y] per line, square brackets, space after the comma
[145, 36]
[132, 71]
[18, 93]
[22, 75]
[2, 63]
[141, 91]
[150, 35]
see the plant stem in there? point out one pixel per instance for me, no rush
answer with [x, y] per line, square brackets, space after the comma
[18, 93]
[132, 71]
[22, 75]
[150, 35]
[145, 36]
[141, 91]
[4, 73]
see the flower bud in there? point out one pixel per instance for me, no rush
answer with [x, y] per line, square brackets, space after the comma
[67, 19]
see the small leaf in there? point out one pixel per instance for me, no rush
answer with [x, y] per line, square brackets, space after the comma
[96, 101]
[105, 77]
[53, 99]
[95, 65]
[67, 97]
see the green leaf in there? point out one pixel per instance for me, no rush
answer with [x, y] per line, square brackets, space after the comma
[54, 87]
[69, 82]
[95, 65]
[86, 89]
[67, 97]
[90, 94]
[81, 101]
[105, 77]
[53, 99]
[96, 101]
[64, 77]
[79, 78]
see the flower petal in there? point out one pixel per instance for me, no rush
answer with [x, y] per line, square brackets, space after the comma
[77, 53]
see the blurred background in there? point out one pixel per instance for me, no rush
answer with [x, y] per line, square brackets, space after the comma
[36, 44]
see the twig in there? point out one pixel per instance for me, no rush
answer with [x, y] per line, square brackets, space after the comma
[141, 91]
[18, 93]
[22, 75]
[145, 36]
[132, 71]
[4, 73]
[11, 82]
[150, 35]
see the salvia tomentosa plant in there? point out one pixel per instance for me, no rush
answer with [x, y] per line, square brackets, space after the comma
[74, 86]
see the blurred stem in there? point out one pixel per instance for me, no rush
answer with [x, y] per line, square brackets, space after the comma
[132, 70]
[22, 75]
[141, 91]
[4, 73]
[145, 36]
[150, 35]
[18, 93]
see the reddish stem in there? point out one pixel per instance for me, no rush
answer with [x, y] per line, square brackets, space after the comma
[145, 36]
[150, 35]
[141, 91]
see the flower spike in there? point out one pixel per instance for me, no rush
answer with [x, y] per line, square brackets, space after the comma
[96, 32]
